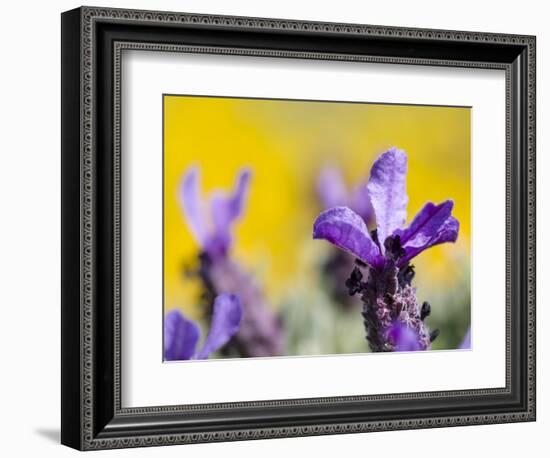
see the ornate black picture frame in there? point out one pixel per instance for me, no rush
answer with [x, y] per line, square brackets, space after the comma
[92, 42]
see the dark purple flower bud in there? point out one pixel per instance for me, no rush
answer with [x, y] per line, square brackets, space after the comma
[354, 283]
[425, 311]
[433, 335]
[406, 274]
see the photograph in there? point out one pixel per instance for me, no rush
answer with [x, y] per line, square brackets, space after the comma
[314, 227]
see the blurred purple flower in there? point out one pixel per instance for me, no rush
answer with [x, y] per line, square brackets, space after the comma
[211, 221]
[181, 334]
[261, 332]
[385, 253]
[333, 192]
[466, 343]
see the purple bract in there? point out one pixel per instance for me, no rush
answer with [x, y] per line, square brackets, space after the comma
[387, 191]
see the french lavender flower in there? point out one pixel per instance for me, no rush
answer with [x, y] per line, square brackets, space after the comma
[181, 335]
[211, 222]
[393, 318]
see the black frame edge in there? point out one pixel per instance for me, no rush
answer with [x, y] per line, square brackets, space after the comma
[70, 229]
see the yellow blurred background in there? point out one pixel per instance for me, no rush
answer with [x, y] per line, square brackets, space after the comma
[286, 143]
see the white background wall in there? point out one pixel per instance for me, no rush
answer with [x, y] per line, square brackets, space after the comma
[30, 229]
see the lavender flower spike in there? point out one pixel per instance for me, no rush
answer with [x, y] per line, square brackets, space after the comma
[181, 335]
[211, 222]
[387, 294]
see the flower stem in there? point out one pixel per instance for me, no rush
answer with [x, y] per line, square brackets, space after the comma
[389, 299]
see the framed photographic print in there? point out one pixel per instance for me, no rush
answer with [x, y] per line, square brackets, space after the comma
[276, 228]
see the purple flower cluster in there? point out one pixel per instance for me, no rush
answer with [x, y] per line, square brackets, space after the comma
[212, 222]
[394, 320]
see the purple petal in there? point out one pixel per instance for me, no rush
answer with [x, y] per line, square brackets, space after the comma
[388, 193]
[466, 343]
[427, 222]
[180, 337]
[226, 319]
[432, 225]
[191, 204]
[347, 230]
[331, 188]
[225, 211]
[404, 338]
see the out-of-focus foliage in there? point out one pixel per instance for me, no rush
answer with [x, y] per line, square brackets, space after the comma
[450, 308]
